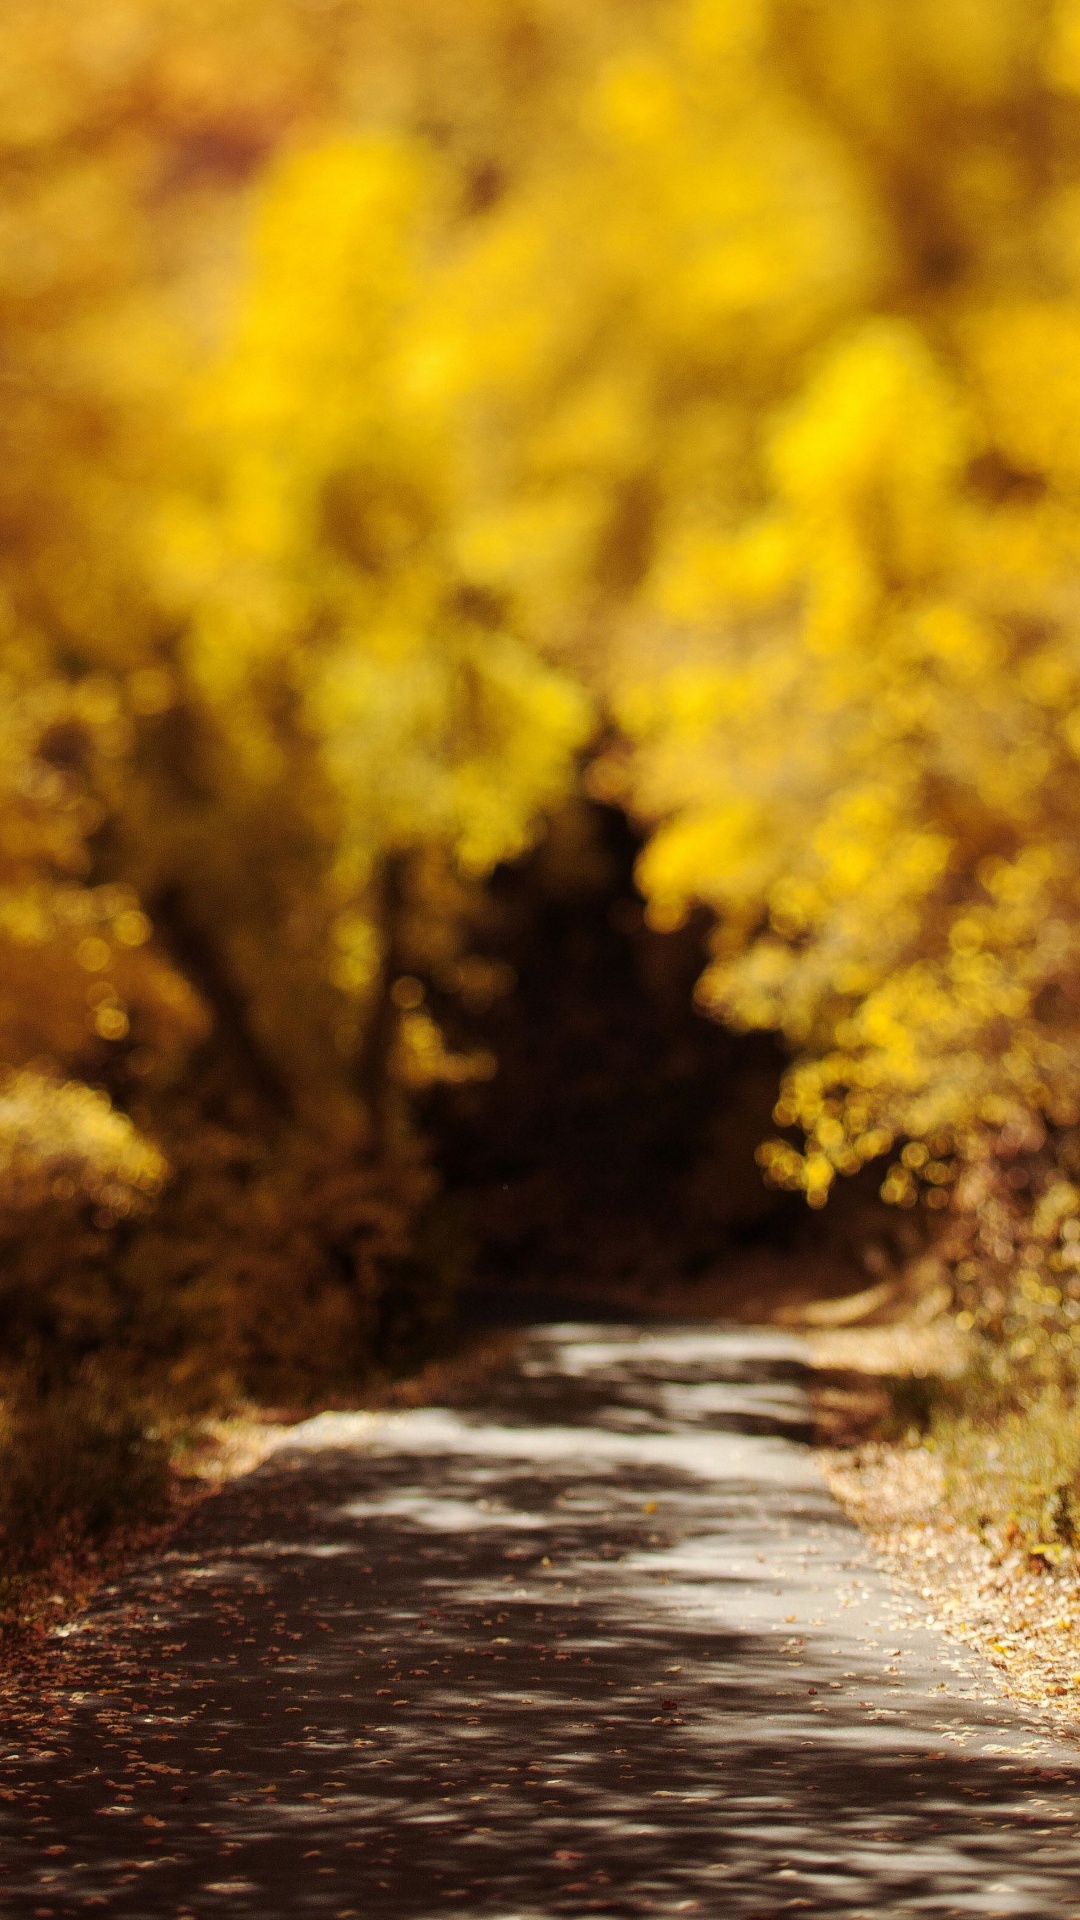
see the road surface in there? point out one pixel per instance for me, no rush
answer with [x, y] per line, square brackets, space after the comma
[602, 1645]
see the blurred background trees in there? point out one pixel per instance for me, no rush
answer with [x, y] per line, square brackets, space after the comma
[425, 429]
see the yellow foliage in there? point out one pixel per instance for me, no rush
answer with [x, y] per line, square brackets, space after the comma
[850, 701]
[59, 1141]
[391, 394]
[320, 570]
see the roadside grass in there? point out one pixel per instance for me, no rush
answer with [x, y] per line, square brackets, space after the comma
[965, 1477]
[1010, 1461]
[1004, 1427]
[81, 1468]
[75, 1459]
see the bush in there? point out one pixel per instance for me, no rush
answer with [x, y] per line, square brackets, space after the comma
[73, 1465]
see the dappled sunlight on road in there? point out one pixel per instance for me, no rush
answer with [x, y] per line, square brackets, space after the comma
[600, 1645]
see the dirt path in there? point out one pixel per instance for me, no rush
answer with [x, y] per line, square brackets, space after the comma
[602, 1646]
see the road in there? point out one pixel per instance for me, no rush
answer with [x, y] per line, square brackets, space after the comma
[601, 1645]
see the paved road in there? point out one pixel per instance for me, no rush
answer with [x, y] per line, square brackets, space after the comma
[601, 1646]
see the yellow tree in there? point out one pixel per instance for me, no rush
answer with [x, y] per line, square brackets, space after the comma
[372, 396]
[851, 677]
[349, 660]
[130, 789]
[766, 395]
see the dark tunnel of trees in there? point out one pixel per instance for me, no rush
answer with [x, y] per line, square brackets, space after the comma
[609, 1164]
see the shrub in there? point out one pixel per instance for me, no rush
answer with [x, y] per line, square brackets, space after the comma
[73, 1464]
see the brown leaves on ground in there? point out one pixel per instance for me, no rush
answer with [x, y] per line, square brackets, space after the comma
[982, 1592]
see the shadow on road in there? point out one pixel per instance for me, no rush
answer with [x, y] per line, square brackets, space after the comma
[578, 1651]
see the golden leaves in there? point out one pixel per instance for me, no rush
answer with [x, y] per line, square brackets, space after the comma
[746, 410]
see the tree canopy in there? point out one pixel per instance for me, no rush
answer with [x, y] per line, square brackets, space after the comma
[414, 417]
